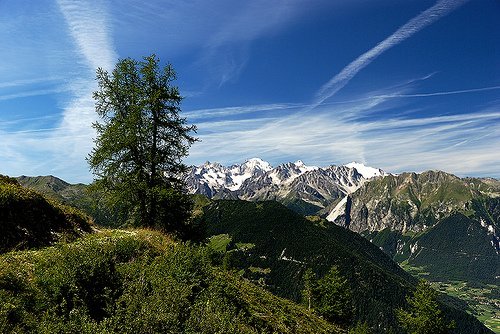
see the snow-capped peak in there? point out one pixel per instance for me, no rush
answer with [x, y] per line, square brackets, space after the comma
[366, 171]
[256, 176]
[303, 167]
[257, 163]
[239, 173]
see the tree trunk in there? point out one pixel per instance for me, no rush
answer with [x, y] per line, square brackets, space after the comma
[152, 180]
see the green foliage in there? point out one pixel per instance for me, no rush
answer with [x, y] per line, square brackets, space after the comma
[286, 245]
[424, 315]
[300, 206]
[457, 248]
[141, 142]
[174, 213]
[137, 281]
[360, 328]
[332, 297]
[28, 219]
[4, 179]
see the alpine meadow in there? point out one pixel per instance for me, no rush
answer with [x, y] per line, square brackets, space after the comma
[250, 167]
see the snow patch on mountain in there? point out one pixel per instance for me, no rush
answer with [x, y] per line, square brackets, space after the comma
[338, 210]
[366, 171]
[303, 168]
[256, 179]
[239, 173]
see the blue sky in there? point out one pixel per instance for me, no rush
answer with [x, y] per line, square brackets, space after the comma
[400, 85]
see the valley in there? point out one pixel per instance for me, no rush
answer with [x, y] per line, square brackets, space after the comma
[250, 167]
[483, 300]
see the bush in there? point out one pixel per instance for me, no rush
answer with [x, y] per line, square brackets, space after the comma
[137, 282]
[424, 315]
[28, 219]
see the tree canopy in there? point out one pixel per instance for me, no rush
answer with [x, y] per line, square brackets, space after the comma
[141, 142]
[424, 315]
[330, 296]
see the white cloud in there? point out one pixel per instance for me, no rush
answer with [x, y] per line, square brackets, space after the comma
[28, 82]
[234, 111]
[429, 16]
[453, 92]
[216, 36]
[465, 144]
[71, 141]
[90, 28]
[34, 92]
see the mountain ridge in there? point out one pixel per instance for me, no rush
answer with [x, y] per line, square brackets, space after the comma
[273, 246]
[295, 184]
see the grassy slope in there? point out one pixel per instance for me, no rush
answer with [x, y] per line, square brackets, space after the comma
[28, 219]
[75, 195]
[457, 248]
[283, 245]
[137, 281]
[448, 248]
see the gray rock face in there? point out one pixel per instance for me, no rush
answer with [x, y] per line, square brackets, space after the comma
[412, 202]
[257, 180]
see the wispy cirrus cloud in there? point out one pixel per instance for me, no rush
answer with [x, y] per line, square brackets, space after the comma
[33, 92]
[29, 82]
[452, 92]
[427, 17]
[226, 50]
[465, 144]
[90, 28]
[216, 35]
[202, 114]
[400, 95]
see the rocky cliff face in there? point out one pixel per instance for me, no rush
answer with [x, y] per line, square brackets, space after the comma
[412, 202]
[434, 220]
[295, 182]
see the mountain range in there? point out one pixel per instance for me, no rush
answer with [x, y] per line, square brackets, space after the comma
[256, 253]
[448, 226]
[306, 189]
[409, 216]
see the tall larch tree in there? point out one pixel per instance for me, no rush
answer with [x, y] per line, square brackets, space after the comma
[141, 142]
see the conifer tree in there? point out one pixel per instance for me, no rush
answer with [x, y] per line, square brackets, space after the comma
[424, 315]
[141, 141]
[309, 284]
[332, 297]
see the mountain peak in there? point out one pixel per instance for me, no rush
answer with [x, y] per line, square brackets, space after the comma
[258, 163]
[366, 171]
[256, 179]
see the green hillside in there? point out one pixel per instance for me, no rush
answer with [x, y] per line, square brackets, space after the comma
[53, 187]
[137, 281]
[435, 220]
[76, 195]
[274, 247]
[28, 219]
[457, 247]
